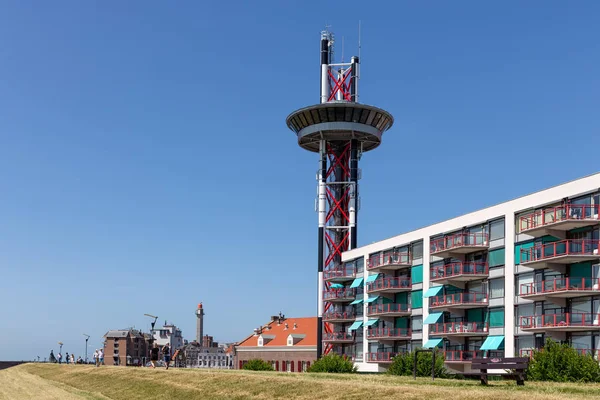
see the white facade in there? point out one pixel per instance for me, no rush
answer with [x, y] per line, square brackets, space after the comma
[511, 272]
[168, 334]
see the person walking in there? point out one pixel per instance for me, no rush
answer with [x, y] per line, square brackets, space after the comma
[59, 358]
[154, 355]
[101, 356]
[67, 358]
[96, 359]
[73, 359]
[166, 354]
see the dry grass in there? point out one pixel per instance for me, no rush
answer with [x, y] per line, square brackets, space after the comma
[45, 381]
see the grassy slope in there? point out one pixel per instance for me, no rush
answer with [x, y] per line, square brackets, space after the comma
[44, 381]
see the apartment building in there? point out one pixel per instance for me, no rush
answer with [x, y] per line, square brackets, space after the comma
[497, 281]
[126, 347]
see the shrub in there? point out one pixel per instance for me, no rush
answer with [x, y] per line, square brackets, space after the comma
[333, 363]
[402, 364]
[257, 365]
[562, 363]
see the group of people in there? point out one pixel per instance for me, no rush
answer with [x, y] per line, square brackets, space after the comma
[98, 357]
[154, 355]
[69, 359]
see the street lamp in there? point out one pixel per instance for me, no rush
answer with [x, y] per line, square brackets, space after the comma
[87, 337]
[60, 351]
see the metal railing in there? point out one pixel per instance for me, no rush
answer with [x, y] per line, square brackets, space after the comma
[462, 355]
[337, 315]
[389, 333]
[560, 320]
[391, 258]
[569, 212]
[459, 269]
[456, 299]
[457, 328]
[577, 247]
[388, 308]
[337, 336]
[459, 240]
[559, 285]
[341, 271]
[382, 356]
[389, 283]
[333, 294]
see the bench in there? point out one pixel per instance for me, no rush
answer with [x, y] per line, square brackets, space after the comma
[518, 364]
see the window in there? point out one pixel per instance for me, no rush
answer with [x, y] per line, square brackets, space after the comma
[288, 366]
[417, 323]
[416, 299]
[417, 274]
[360, 265]
[496, 317]
[417, 250]
[496, 288]
[304, 366]
[497, 229]
[496, 257]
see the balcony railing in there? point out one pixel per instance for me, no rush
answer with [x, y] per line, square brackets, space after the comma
[341, 272]
[462, 355]
[391, 259]
[338, 337]
[389, 284]
[391, 308]
[550, 216]
[458, 328]
[389, 333]
[457, 270]
[339, 316]
[339, 294]
[457, 241]
[562, 248]
[561, 321]
[475, 299]
[381, 357]
[560, 285]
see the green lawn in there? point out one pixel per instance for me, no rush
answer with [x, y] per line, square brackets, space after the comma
[50, 381]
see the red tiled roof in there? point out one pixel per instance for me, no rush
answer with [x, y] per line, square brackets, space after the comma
[304, 326]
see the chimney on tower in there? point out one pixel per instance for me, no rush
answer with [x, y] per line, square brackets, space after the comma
[199, 324]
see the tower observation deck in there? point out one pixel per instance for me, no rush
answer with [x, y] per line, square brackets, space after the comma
[339, 129]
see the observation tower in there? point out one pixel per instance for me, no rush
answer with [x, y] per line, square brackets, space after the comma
[339, 129]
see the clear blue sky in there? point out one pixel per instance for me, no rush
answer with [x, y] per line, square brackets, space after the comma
[146, 165]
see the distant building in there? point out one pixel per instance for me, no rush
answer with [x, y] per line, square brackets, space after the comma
[125, 347]
[195, 356]
[208, 342]
[288, 344]
[168, 334]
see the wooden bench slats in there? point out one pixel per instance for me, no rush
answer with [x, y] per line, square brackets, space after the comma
[516, 363]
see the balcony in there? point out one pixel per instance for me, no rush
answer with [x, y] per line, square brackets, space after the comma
[556, 254]
[459, 272]
[461, 356]
[460, 301]
[529, 353]
[339, 295]
[341, 273]
[381, 357]
[390, 261]
[458, 244]
[338, 317]
[553, 221]
[458, 329]
[338, 337]
[389, 285]
[387, 334]
[389, 310]
[564, 322]
[560, 288]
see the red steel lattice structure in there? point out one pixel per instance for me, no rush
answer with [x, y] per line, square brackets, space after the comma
[339, 129]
